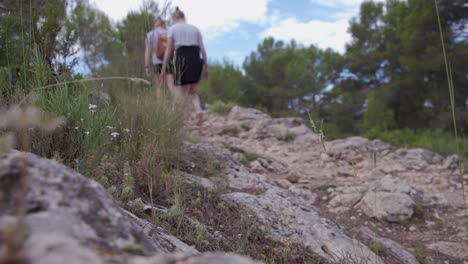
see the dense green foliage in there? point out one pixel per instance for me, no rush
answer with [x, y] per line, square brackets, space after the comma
[284, 77]
[225, 84]
[396, 50]
[30, 31]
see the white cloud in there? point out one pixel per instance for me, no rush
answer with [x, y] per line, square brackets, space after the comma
[321, 33]
[325, 34]
[338, 3]
[117, 10]
[215, 18]
[235, 55]
[347, 8]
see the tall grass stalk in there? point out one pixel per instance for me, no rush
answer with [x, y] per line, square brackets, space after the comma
[124, 78]
[451, 88]
[318, 131]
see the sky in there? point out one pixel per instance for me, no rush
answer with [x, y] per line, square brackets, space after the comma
[232, 29]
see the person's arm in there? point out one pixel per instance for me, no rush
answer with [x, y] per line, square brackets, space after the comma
[147, 57]
[206, 73]
[167, 54]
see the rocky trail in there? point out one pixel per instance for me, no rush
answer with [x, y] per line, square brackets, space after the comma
[407, 201]
[346, 201]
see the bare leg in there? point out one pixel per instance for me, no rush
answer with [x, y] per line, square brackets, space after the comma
[195, 98]
[170, 85]
[160, 93]
[179, 96]
[159, 90]
[186, 94]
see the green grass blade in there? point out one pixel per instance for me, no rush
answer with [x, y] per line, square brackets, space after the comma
[451, 88]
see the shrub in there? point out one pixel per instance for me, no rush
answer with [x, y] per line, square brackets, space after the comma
[138, 206]
[83, 136]
[225, 83]
[418, 210]
[134, 133]
[290, 136]
[437, 141]
[152, 142]
[420, 255]
[249, 156]
[326, 187]
[221, 108]
[230, 131]
[377, 247]
[377, 115]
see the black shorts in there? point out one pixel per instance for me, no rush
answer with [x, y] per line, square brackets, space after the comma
[188, 65]
[158, 67]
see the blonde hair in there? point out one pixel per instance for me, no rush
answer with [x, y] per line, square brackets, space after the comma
[159, 22]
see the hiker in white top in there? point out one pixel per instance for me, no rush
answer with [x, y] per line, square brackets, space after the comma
[186, 42]
[153, 64]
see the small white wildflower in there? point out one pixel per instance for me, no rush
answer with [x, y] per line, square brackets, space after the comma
[126, 174]
[114, 134]
[126, 130]
[81, 119]
[76, 128]
[86, 132]
[109, 127]
[92, 106]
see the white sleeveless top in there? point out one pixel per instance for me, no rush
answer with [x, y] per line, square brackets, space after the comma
[152, 39]
[184, 34]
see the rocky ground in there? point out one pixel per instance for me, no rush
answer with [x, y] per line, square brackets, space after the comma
[302, 201]
[399, 202]
[50, 214]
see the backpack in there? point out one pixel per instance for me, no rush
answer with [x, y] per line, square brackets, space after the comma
[160, 46]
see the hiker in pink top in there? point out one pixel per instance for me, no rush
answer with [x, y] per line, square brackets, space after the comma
[153, 63]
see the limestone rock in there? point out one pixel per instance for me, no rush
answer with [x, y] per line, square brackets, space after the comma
[285, 184]
[278, 209]
[455, 249]
[207, 258]
[393, 247]
[71, 219]
[355, 147]
[451, 162]
[306, 196]
[425, 197]
[59, 249]
[60, 201]
[418, 158]
[247, 114]
[393, 185]
[293, 177]
[392, 207]
[287, 213]
[345, 199]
